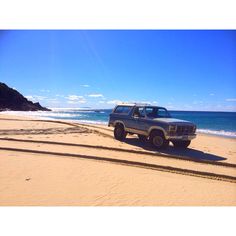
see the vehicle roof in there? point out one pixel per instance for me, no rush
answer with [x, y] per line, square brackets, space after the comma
[137, 104]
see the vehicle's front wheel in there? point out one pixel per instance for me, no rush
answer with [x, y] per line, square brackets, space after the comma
[181, 144]
[119, 132]
[158, 140]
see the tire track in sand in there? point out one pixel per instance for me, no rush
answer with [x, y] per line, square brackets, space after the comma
[175, 170]
[183, 158]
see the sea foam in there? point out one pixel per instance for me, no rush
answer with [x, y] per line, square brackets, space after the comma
[46, 114]
[218, 132]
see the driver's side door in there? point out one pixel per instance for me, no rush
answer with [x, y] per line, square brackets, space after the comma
[138, 120]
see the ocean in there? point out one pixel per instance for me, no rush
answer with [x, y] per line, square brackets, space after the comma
[215, 123]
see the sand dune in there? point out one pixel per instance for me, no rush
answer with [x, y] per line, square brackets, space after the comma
[64, 163]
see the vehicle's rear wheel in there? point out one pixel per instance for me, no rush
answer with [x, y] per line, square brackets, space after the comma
[119, 132]
[181, 144]
[142, 138]
[158, 140]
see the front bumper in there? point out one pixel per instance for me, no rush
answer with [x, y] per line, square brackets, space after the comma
[181, 137]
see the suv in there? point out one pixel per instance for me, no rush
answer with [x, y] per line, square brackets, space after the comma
[151, 123]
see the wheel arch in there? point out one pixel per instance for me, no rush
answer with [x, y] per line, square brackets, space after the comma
[158, 128]
[119, 122]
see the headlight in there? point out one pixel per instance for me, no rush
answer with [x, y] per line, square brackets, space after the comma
[172, 128]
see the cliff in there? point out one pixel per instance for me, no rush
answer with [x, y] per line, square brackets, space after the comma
[10, 99]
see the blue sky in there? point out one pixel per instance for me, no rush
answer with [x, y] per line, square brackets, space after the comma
[182, 70]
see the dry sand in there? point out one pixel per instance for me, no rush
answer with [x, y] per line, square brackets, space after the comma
[64, 163]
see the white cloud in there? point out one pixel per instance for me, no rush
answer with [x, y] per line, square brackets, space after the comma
[85, 85]
[230, 99]
[96, 95]
[102, 102]
[72, 102]
[35, 98]
[40, 98]
[74, 97]
[29, 97]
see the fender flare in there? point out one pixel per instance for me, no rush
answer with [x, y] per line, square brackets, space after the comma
[119, 121]
[157, 128]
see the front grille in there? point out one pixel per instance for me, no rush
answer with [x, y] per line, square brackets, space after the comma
[185, 129]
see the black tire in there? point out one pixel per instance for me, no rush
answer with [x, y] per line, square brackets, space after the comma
[142, 138]
[158, 140]
[181, 144]
[119, 132]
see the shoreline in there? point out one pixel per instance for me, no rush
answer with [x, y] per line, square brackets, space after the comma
[105, 125]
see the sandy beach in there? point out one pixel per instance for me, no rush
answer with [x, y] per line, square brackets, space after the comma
[58, 163]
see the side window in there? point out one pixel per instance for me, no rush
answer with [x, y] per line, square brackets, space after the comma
[139, 112]
[119, 110]
[149, 111]
[126, 109]
[162, 113]
[122, 110]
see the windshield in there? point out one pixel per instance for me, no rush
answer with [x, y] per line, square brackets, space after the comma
[157, 112]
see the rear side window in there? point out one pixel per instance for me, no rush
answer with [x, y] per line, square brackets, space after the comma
[122, 109]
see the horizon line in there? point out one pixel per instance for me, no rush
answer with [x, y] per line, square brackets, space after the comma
[78, 108]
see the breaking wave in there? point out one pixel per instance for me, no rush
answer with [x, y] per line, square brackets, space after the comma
[92, 122]
[46, 114]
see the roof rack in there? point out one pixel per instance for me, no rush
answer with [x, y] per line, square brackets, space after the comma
[134, 104]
